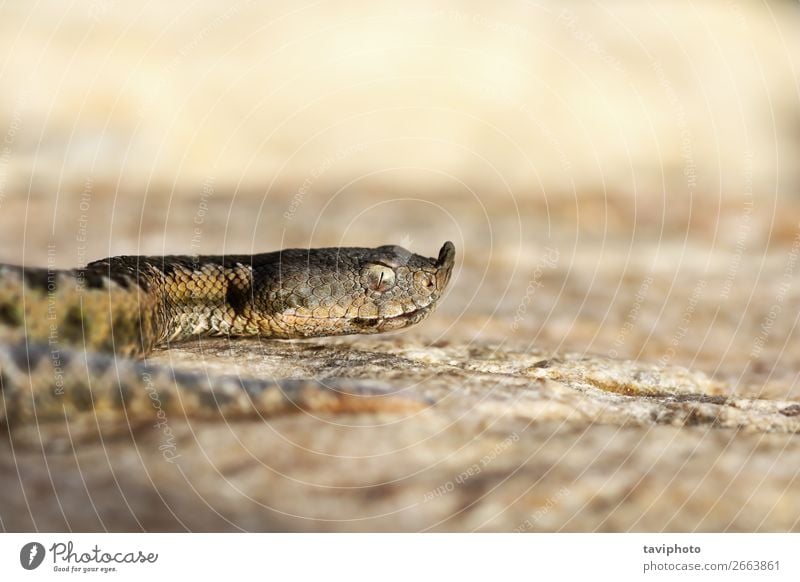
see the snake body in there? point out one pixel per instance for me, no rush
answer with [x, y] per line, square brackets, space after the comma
[75, 341]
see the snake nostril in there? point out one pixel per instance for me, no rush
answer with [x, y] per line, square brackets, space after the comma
[425, 281]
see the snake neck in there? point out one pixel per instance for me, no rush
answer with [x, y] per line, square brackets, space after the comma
[79, 307]
[183, 296]
[128, 305]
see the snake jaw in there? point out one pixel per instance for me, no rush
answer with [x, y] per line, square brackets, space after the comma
[382, 324]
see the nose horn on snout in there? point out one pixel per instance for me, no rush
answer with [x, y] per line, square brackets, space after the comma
[447, 255]
[444, 264]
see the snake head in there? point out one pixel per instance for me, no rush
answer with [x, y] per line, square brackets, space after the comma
[347, 290]
[400, 287]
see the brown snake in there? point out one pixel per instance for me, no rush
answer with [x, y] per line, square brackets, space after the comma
[73, 340]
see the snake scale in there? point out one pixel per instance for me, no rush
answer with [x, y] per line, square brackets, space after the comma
[75, 341]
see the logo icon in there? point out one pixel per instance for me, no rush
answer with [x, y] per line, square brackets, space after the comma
[31, 555]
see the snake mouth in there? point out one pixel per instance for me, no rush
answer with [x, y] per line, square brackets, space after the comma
[386, 323]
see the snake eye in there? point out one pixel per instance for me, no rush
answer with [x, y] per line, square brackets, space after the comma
[379, 278]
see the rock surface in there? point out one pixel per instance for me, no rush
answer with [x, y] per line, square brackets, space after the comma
[513, 436]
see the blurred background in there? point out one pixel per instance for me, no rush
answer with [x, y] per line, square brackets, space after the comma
[618, 178]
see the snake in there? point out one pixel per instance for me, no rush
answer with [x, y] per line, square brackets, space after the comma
[76, 341]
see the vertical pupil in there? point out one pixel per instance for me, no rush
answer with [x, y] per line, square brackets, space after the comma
[380, 278]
